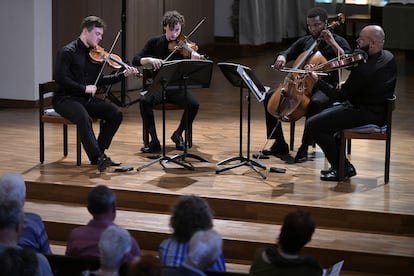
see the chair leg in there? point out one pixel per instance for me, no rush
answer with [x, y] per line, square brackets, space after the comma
[292, 135]
[387, 160]
[348, 146]
[78, 148]
[42, 141]
[341, 165]
[65, 140]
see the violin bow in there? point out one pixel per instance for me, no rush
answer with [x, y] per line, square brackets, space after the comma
[192, 31]
[109, 54]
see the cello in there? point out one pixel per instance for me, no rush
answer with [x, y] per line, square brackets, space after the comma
[290, 100]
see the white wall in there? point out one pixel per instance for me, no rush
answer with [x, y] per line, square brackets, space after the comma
[26, 29]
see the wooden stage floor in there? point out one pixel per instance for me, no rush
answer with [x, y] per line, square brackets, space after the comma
[216, 137]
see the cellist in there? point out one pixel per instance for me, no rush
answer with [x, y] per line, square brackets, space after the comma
[330, 45]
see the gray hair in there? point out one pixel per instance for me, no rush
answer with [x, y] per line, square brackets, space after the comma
[11, 214]
[204, 248]
[12, 187]
[114, 244]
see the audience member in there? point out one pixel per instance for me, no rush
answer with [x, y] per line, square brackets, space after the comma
[11, 224]
[203, 250]
[190, 214]
[283, 258]
[34, 235]
[16, 261]
[146, 265]
[83, 240]
[114, 245]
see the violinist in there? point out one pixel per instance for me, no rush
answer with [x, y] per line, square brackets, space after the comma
[362, 98]
[75, 75]
[153, 55]
[330, 46]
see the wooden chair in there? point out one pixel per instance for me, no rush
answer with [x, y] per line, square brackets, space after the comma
[370, 132]
[47, 115]
[147, 81]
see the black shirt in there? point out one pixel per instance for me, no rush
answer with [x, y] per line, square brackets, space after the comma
[369, 84]
[74, 70]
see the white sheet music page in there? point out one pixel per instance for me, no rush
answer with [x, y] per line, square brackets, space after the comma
[260, 95]
[333, 270]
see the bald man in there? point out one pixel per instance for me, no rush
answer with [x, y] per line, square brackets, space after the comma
[363, 98]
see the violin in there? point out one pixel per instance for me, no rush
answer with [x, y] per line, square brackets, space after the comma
[184, 46]
[100, 56]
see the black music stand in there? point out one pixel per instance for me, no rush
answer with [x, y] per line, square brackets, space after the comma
[243, 77]
[191, 74]
[181, 74]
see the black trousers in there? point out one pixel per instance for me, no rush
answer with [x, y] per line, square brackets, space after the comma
[186, 100]
[318, 102]
[80, 111]
[323, 126]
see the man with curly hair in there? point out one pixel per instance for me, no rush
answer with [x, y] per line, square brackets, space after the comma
[153, 55]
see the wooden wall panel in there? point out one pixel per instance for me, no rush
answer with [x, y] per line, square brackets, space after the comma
[143, 20]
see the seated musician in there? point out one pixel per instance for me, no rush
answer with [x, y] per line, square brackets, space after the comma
[363, 97]
[330, 46]
[154, 53]
[77, 77]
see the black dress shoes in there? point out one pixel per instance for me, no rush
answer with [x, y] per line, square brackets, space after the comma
[302, 154]
[332, 174]
[277, 149]
[152, 147]
[103, 162]
[178, 140]
[113, 163]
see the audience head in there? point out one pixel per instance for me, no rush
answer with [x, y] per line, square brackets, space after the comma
[12, 187]
[114, 244]
[11, 221]
[203, 249]
[190, 214]
[296, 232]
[16, 261]
[146, 265]
[101, 201]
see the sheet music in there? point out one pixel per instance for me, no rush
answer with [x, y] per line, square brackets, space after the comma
[334, 270]
[260, 95]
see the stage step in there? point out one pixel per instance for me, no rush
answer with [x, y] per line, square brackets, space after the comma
[236, 209]
[363, 252]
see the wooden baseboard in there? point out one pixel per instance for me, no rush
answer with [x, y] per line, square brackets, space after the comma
[10, 103]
